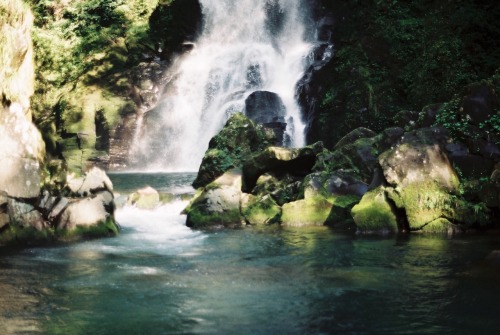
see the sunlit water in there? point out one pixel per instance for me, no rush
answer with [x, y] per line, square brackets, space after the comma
[160, 277]
[245, 46]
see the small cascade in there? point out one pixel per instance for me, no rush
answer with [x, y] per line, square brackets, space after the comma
[245, 46]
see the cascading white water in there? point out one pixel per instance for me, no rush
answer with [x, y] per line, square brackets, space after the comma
[246, 45]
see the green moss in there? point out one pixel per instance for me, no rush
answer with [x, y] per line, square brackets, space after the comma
[374, 214]
[394, 55]
[440, 225]
[261, 210]
[18, 235]
[197, 218]
[307, 212]
[105, 228]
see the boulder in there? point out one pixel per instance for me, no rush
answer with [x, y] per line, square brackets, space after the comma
[297, 162]
[425, 202]
[259, 210]
[217, 204]
[282, 187]
[338, 183]
[22, 152]
[312, 211]
[479, 103]
[145, 198]
[87, 212]
[417, 162]
[95, 180]
[353, 136]
[239, 139]
[25, 215]
[267, 108]
[374, 213]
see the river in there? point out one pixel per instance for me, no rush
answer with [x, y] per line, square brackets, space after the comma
[160, 277]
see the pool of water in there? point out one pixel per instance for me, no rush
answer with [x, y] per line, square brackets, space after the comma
[160, 277]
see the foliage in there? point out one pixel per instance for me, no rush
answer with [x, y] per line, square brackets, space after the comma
[393, 55]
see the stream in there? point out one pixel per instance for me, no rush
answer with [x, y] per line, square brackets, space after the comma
[160, 277]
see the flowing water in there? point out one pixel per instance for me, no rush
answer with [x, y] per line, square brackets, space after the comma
[160, 277]
[245, 46]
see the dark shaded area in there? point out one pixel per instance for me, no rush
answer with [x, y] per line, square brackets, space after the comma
[394, 56]
[172, 24]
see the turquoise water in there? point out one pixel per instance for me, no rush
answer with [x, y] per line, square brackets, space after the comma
[160, 277]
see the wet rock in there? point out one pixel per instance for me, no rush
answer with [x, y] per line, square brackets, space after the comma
[479, 103]
[84, 213]
[306, 212]
[217, 204]
[353, 136]
[298, 162]
[237, 141]
[145, 198]
[260, 210]
[418, 162]
[374, 214]
[267, 108]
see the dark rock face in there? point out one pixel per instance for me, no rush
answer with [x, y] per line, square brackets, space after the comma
[175, 23]
[479, 103]
[267, 108]
[294, 161]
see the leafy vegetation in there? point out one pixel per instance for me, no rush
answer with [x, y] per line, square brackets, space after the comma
[394, 55]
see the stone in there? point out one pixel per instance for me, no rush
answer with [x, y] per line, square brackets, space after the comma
[479, 103]
[265, 107]
[333, 184]
[22, 152]
[353, 136]
[374, 214]
[83, 212]
[145, 198]
[259, 210]
[215, 207]
[25, 215]
[238, 140]
[217, 204]
[93, 181]
[417, 162]
[297, 162]
[58, 208]
[306, 212]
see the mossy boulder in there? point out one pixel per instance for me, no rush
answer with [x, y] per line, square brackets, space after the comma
[375, 214]
[239, 139]
[282, 187]
[418, 162]
[425, 202]
[260, 210]
[217, 204]
[297, 162]
[313, 211]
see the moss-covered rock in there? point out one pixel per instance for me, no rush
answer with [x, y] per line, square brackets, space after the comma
[297, 162]
[417, 162]
[239, 139]
[312, 211]
[375, 214]
[260, 210]
[217, 204]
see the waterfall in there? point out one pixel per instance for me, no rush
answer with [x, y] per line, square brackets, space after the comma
[245, 45]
